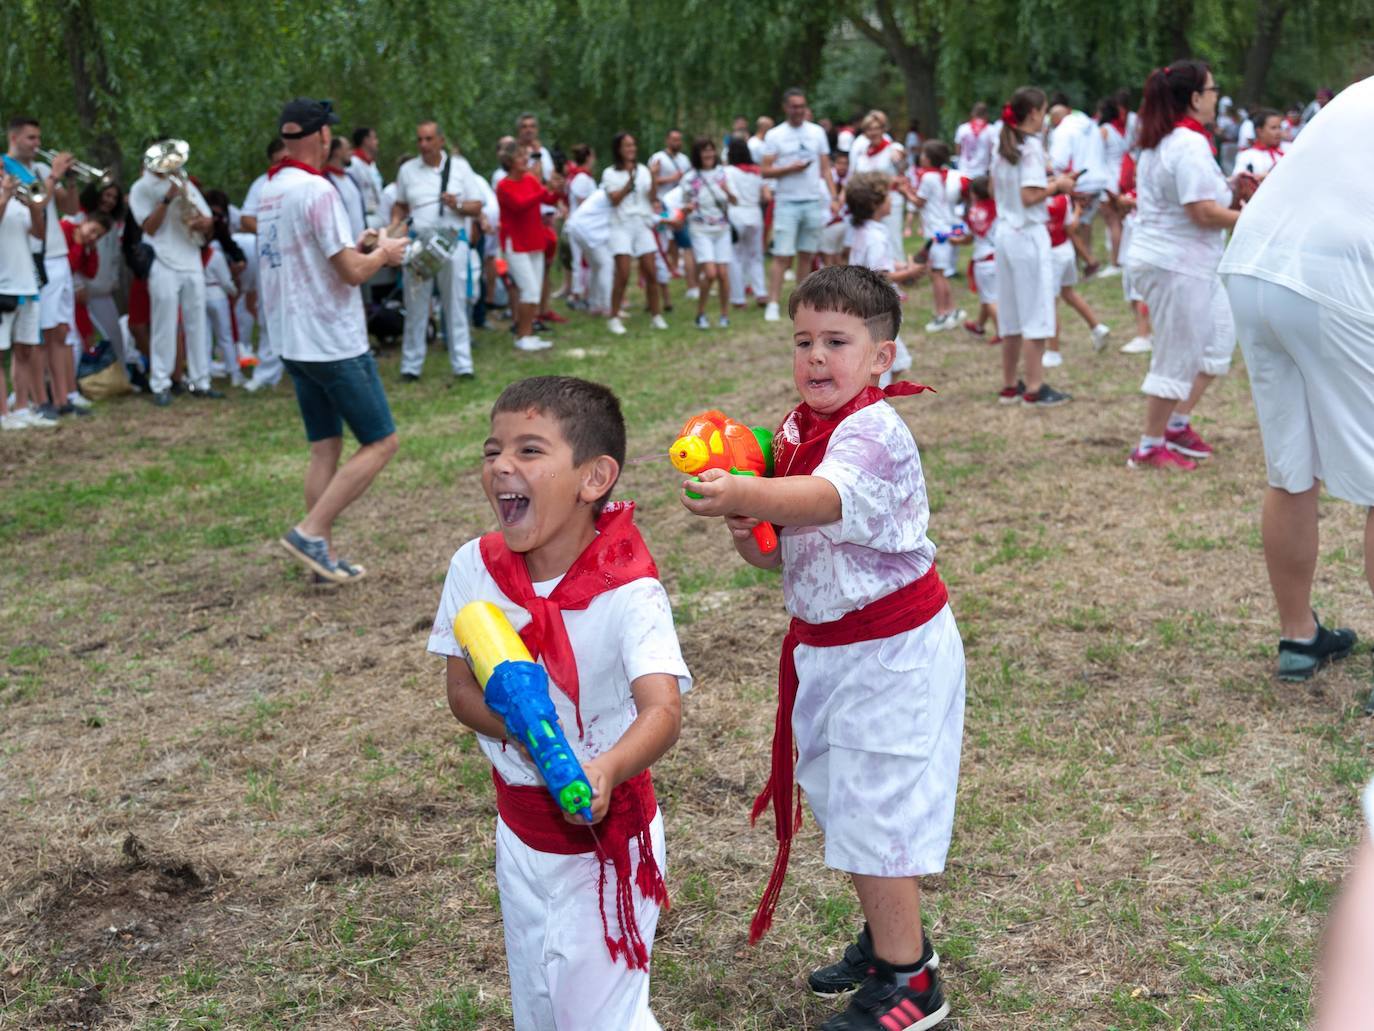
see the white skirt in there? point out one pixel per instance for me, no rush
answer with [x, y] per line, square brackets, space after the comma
[1025, 282]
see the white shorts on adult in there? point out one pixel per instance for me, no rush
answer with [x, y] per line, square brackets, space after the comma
[1312, 376]
[711, 244]
[20, 326]
[1065, 265]
[57, 305]
[527, 273]
[1025, 282]
[1193, 329]
[633, 237]
[561, 974]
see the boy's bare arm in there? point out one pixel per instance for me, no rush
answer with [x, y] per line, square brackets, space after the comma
[787, 501]
[655, 730]
[467, 703]
[742, 530]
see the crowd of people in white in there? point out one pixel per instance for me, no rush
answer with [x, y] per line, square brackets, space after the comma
[167, 274]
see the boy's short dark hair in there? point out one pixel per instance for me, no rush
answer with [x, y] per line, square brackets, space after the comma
[979, 187]
[864, 194]
[936, 152]
[587, 413]
[852, 290]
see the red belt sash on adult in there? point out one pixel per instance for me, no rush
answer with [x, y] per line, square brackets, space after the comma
[902, 610]
[534, 817]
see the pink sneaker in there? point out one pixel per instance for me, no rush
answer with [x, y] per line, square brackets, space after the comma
[1158, 458]
[1187, 442]
[974, 328]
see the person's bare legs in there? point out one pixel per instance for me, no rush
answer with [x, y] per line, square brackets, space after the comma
[619, 284]
[892, 907]
[57, 358]
[1011, 359]
[804, 262]
[1111, 218]
[723, 278]
[1157, 412]
[942, 295]
[1288, 527]
[1142, 319]
[1201, 382]
[1033, 353]
[648, 270]
[1075, 301]
[334, 487]
[781, 263]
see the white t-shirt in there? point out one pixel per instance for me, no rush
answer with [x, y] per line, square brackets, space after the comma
[387, 202]
[662, 164]
[974, 146]
[250, 202]
[621, 635]
[1007, 180]
[871, 246]
[1245, 135]
[1317, 242]
[580, 187]
[172, 243]
[1063, 140]
[885, 162]
[1179, 171]
[18, 276]
[219, 281]
[636, 205]
[1076, 144]
[312, 314]
[879, 543]
[367, 177]
[352, 198]
[844, 140]
[748, 190]
[1113, 153]
[418, 185]
[592, 219]
[755, 145]
[1259, 161]
[937, 214]
[709, 189]
[787, 144]
[248, 278]
[54, 240]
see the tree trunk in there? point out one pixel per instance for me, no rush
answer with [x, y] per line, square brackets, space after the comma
[90, 81]
[915, 60]
[918, 80]
[1259, 56]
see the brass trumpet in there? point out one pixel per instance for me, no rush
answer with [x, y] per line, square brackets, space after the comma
[168, 158]
[86, 173]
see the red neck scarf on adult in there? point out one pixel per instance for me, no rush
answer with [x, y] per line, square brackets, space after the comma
[334, 170]
[903, 610]
[615, 557]
[292, 163]
[874, 149]
[976, 126]
[1119, 123]
[1189, 122]
[1273, 152]
[362, 157]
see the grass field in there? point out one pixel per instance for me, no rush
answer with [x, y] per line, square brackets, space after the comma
[231, 800]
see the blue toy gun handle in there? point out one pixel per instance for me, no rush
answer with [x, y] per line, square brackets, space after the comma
[518, 692]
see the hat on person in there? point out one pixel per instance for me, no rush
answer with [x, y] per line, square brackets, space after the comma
[310, 115]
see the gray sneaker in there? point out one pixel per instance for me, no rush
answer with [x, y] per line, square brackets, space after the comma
[1300, 660]
[314, 555]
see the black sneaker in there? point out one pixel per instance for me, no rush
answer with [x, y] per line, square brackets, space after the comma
[880, 1005]
[208, 394]
[179, 387]
[138, 379]
[1045, 397]
[1300, 660]
[410, 377]
[162, 398]
[843, 977]
[71, 409]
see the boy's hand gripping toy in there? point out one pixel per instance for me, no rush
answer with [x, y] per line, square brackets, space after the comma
[712, 440]
[516, 688]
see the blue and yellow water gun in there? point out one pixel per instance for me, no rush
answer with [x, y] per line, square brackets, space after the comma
[516, 688]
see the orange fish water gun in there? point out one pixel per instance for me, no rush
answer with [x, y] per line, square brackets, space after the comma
[712, 440]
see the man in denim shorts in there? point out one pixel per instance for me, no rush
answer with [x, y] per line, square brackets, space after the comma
[796, 155]
[309, 272]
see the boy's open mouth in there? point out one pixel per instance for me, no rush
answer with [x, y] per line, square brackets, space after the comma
[512, 507]
[814, 382]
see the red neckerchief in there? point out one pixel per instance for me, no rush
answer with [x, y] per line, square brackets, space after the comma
[292, 163]
[615, 557]
[1189, 122]
[801, 440]
[874, 149]
[923, 172]
[362, 157]
[334, 170]
[1272, 151]
[976, 126]
[754, 169]
[1119, 123]
[206, 253]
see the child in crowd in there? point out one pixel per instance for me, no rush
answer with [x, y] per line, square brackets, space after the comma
[1261, 156]
[937, 193]
[220, 292]
[574, 577]
[982, 266]
[868, 199]
[580, 174]
[1063, 221]
[589, 229]
[871, 685]
[706, 200]
[835, 236]
[746, 218]
[1141, 342]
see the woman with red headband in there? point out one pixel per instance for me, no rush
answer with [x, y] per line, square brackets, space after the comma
[1183, 205]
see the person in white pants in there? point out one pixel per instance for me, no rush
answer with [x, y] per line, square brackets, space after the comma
[1297, 273]
[751, 194]
[169, 214]
[439, 190]
[220, 290]
[581, 184]
[589, 230]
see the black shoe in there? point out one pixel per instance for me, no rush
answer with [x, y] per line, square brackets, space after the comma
[459, 378]
[1045, 397]
[71, 409]
[843, 977]
[138, 379]
[880, 1005]
[410, 377]
[1300, 660]
[179, 387]
[162, 398]
[208, 394]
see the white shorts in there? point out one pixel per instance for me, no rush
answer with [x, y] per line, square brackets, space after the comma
[634, 238]
[527, 273]
[878, 729]
[1025, 283]
[1309, 374]
[797, 226]
[1065, 265]
[1089, 208]
[20, 326]
[57, 304]
[1193, 329]
[711, 244]
[561, 973]
[941, 258]
[834, 238]
[984, 277]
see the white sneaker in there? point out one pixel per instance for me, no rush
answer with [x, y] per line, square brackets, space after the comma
[725, 322]
[1100, 333]
[789, 276]
[941, 323]
[615, 326]
[1138, 345]
[658, 322]
[79, 399]
[532, 343]
[1052, 360]
[14, 421]
[1108, 270]
[770, 313]
[693, 293]
[703, 322]
[37, 420]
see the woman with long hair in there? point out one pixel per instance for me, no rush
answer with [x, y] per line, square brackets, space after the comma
[100, 290]
[707, 199]
[1183, 207]
[1025, 272]
[629, 187]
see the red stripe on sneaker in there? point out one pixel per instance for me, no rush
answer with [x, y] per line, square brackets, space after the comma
[920, 981]
[910, 1010]
[891, 1023]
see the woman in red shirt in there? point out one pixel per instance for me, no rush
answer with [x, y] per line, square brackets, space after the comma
[522, 231]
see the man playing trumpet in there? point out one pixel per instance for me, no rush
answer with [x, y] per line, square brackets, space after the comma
[175, 220]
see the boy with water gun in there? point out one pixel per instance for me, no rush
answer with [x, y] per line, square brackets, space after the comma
[579, 900]
[871, 684]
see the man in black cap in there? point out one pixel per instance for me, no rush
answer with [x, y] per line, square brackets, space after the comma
[309, 270]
